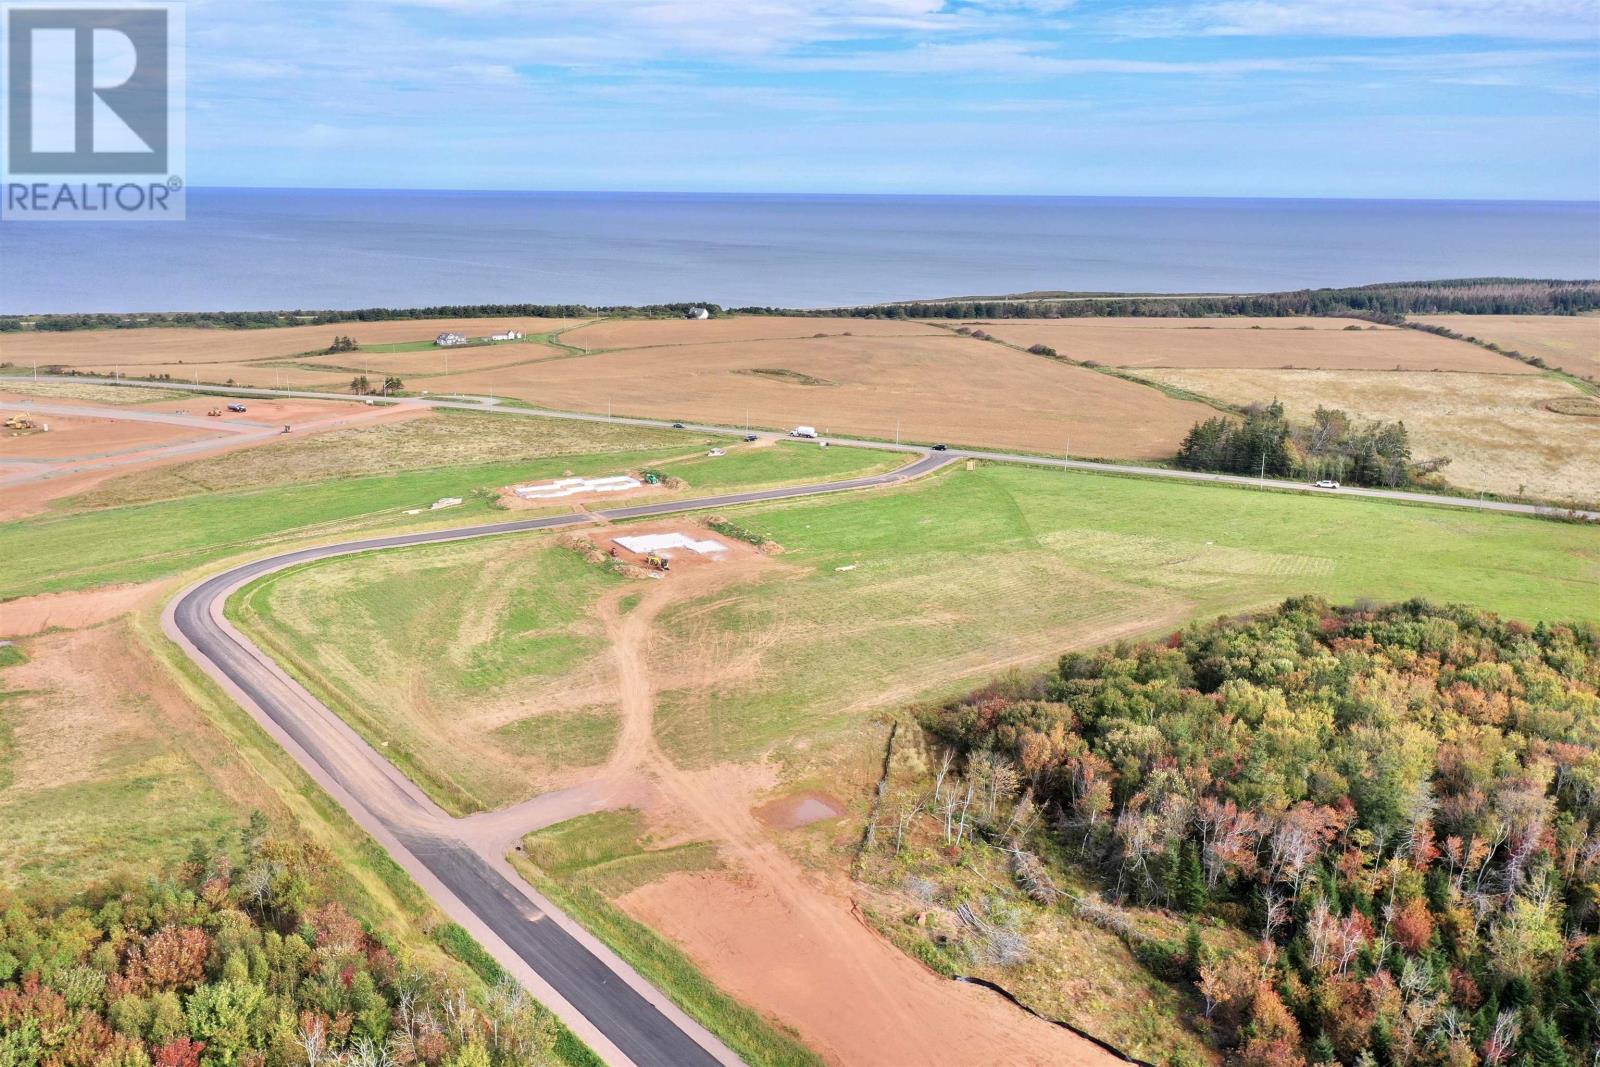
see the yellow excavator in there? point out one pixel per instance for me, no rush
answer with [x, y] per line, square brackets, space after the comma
[659, 562]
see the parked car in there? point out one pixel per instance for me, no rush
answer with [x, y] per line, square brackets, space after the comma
[751, 437]
[941, 448]
[237, 408]
[1327, 483]
[677, 426]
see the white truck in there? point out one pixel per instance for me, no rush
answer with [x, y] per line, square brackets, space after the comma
[809, 432]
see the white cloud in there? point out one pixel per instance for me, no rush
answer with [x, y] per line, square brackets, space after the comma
[1512, 19]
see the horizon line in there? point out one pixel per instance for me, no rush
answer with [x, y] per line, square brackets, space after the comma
[1593, 202]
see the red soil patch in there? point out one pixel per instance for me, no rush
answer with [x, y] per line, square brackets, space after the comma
[799, 809]
[855, 998]
[63, 480]
[70, 611]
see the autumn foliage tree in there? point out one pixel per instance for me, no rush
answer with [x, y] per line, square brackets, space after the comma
[1400, 803]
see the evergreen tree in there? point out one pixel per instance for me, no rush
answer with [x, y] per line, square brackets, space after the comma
[1541, 1043]
[1192, 895]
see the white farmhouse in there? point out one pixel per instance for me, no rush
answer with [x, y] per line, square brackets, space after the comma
[699, 313]
[509, 335]
[450, 340]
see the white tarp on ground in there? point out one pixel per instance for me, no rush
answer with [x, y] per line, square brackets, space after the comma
[573, 486]
[660, 543]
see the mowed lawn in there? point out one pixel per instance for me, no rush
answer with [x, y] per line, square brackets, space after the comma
[889, 597]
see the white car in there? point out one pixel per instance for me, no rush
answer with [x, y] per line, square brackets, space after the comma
[1327, 483]
[715, 452]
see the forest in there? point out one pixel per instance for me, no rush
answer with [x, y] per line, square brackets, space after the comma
[1332, 445]
[1381, 303]
[1397, 805]
[242, 959]
[1385, 303]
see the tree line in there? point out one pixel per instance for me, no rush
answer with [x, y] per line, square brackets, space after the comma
[1400, 804]
[1385, 302]
[1332, 445]
[241, 320]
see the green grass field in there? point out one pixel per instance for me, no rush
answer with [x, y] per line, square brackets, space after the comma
[879, 599]
[79, 549]
[960, 575]
[445, 652]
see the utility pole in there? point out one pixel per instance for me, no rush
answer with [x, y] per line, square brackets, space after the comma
[1263, 468]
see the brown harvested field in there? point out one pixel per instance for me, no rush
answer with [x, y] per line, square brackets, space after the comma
[641, 333]
[1568, 342]
[257, 375]
[1495, 428]
[434, 360]
[140, 347]
[1320, 343]
[940, 387]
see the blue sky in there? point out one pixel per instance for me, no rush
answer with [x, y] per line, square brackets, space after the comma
[1365, 98]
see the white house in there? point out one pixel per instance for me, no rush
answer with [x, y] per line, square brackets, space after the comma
[509, 335]
[450, 340]
[699, 313]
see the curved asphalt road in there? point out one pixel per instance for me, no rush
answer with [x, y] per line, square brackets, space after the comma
[603, 1000]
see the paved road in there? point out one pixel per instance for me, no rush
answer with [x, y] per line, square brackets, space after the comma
[849, 442]
[623, 1018]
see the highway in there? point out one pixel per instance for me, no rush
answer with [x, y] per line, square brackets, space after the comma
[463, 867]
[1091, 466]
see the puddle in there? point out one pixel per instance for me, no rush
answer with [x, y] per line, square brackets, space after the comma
[799, 809]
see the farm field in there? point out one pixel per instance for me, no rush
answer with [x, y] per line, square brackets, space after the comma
[432, 360]
[173, 345]
[1566, 342]
[772, 675]
[940, 387]
[650, 333]
[1322, 343]
[1500, 431]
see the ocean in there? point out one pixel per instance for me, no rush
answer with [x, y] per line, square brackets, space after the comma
[258, 249]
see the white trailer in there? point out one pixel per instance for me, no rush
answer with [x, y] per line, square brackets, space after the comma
[804, 431]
